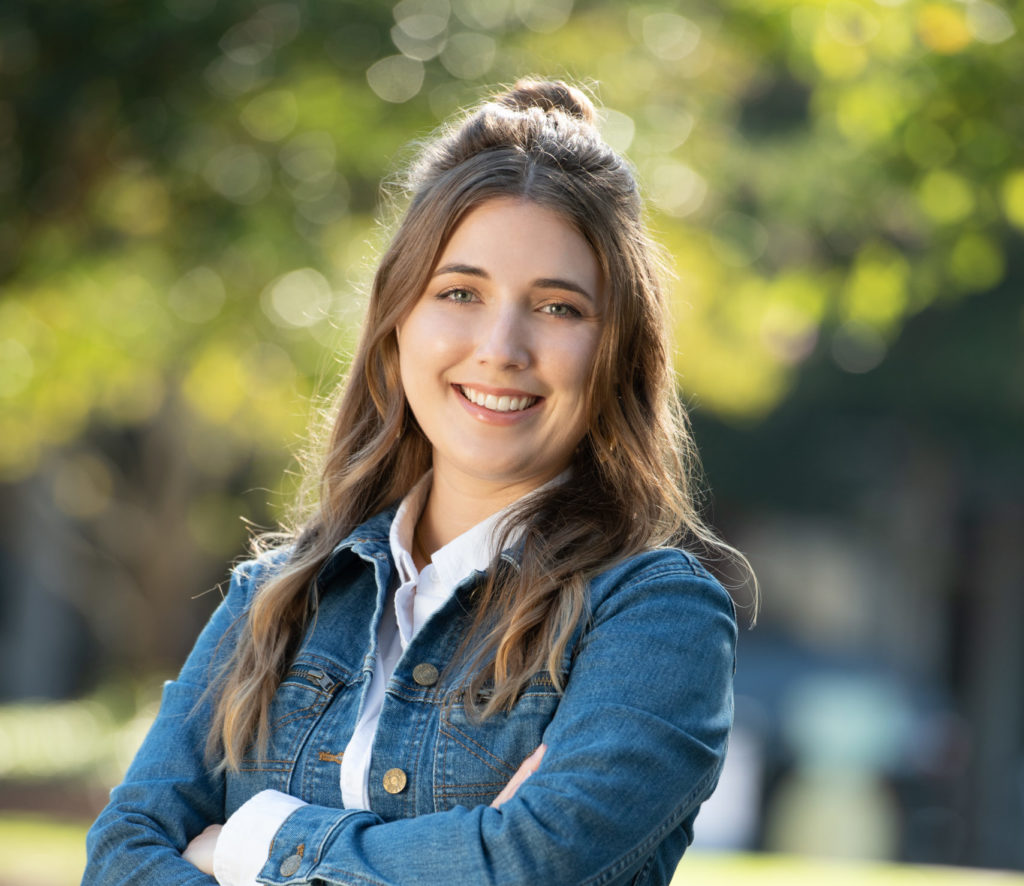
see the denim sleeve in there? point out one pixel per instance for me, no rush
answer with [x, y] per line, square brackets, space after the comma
[169, 794]
[635, 747]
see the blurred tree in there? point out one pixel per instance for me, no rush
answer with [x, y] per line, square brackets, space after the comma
[189, 188]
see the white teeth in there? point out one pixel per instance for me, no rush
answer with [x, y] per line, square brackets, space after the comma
[497, 404]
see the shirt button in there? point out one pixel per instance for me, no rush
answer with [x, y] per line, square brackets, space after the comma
[290, 865]
[394, 781]
[425, 674]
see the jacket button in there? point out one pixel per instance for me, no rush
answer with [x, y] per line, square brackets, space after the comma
[425, 674]
[394, 781]
[290, 865]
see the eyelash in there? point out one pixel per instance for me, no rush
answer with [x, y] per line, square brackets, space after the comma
[570, 312]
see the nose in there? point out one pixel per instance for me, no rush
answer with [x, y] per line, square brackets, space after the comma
[503, 339]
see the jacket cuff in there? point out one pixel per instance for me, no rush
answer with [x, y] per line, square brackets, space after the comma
[245, 840]
[301, 843]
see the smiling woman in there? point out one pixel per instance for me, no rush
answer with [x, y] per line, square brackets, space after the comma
[490, 655]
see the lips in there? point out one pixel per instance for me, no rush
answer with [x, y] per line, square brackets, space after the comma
[496, 403]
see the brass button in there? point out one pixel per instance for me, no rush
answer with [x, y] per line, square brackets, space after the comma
[425, 674]
[290, 865]
[394, 781]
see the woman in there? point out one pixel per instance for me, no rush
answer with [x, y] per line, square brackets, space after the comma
[483, 659]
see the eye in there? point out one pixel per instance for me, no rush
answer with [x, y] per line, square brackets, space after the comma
[458, 295]
[561, 309]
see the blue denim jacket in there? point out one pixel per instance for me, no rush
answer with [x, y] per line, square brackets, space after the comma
[634, 744]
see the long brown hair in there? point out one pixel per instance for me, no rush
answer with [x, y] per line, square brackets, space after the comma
[630, 488]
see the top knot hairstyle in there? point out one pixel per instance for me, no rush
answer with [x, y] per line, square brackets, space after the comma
[630, 486]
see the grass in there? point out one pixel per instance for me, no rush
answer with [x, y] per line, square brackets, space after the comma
[36, 851]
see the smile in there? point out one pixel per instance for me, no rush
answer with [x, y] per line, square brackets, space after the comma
[495, 403]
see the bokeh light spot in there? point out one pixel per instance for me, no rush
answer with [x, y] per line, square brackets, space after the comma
[16, 367]
[271, 116]
[240, 173]
[677, 190]
[469, 55]
[298, 299]
[989, 23]
[946, 197]
[670, 37]
[543, 16]
[943, 28]
[396, 78]
[1012, 194]
[976, 262]
[618, 129]
[197, 296]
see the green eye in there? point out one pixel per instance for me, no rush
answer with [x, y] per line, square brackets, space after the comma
[561, 310]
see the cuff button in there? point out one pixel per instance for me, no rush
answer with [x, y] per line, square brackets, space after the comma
[290, 865]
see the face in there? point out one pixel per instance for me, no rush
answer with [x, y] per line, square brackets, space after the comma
[496, 353]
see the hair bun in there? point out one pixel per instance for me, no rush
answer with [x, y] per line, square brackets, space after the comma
[549, 95]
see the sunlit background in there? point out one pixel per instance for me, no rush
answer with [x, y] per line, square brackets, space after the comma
[190, 207]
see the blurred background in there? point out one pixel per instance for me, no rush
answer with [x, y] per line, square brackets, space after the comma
[190, 209]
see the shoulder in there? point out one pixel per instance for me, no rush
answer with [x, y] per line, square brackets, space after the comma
[249, 576]
[672, 576]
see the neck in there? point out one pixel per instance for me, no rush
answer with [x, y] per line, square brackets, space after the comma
[454, 507]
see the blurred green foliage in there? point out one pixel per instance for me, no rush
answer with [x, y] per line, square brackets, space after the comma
[189, 199]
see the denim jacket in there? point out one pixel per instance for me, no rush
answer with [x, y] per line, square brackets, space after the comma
[635, 742]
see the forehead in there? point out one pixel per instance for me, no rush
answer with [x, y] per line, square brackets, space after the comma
[522, 238]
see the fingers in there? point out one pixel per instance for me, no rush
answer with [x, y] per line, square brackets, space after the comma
[199, 851]
[525, 770]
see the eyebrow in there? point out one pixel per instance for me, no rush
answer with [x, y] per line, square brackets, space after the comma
[539, 283]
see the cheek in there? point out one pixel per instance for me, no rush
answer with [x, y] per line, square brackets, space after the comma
[575, 361]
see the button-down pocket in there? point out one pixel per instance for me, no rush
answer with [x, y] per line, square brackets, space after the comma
[308, 687]
[475, 760]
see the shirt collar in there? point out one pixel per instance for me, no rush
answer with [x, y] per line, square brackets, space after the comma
[470, 552]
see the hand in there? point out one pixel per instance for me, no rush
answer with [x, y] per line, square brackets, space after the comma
[525, 770]
[200, 851]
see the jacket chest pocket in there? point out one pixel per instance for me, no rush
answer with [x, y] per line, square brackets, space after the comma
[309, 686]
[474, 759]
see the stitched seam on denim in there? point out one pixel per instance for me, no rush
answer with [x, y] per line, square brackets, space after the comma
[654, 572]
[410, 795]
[478, 784]
[327, 836]
[419, 694]
[307, 713]
[620, 864]
[330, 869]
[642, 874]
[333, 667]
[455, 738]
